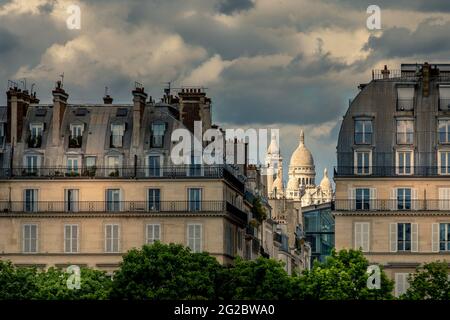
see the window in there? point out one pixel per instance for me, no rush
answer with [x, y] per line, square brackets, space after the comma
[230, 243]
[154, 167]
[362, 236]
[444, 131]
[89, 166]
[444, 237]
[363, 161]
[194, 237]
[403, 236]
[405, 98]
[444, 198]
[363, 132]
[2, 133]
[401, 283]
[36, 129]
[111, 238]
[195, 168]
[195, 199]
[362, 199]
[444, 97]
[403, 199]
[154, 199]
[30, 238]
[31, 200]
[405, 161]
[117, 131]
[76, 130]
[153, 233]
[113, 200]
[31, 164]
[444, 162]
[158, 130]
[113, 166]
[71, 200]
[405, 131]
[73, 166]
[71, 238]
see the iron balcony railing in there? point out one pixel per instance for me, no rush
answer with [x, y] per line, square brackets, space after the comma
[112, 206]
[401, 75]
[405, 104]
[389, 171]
[392, 205]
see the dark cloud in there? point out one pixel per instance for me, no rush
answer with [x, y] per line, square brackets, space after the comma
[232, 6]
[410, 5]
[8, 42]
[429, 39]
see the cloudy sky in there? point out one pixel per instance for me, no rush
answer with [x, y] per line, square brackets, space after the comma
[285, 64]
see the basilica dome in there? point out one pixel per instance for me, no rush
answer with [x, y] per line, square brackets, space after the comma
[302, 157]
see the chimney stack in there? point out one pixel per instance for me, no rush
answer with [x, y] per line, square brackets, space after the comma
[139, 98]
[59, 106]
[385, 72]
[18, 102]
[107, 99]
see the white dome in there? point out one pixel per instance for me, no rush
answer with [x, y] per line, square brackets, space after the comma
[325, 184]
[273, 147]
[302, 157]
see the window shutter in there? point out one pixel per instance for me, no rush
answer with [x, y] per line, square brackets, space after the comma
[358, 234]
[393, 200]
[414, 237]
[365, 236]
[373, 199]
[352, 197]
[393, 237]
[415, 204]
[399, 284]
[435, 237]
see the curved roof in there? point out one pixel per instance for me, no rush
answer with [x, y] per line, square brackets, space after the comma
[302, 157]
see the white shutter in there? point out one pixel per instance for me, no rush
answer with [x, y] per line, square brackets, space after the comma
[373, 199]
[435, 237]
[393, 237]
[414, 199]
[414, 237]
[401, 283]
[365, 236]
[352, 197]
[444, 198]
[393, 200]
[358, 234]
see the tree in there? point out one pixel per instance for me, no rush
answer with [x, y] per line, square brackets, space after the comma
[160, 271]
[258, 279]
[52, 285]
[16, 283]
[342, 276]
[429, 282]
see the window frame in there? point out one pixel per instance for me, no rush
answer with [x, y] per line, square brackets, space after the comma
[24, 238]
[401, 168]
[71, 239]
[194, 239]
[408, 135]
[364, 124]
[362, 170]
[112, 225]
[152, 226]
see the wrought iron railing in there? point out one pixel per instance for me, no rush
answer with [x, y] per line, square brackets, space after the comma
[388, 171]
[391, 205]
[111, 206]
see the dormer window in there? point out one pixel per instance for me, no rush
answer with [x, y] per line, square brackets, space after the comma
[117, 131]
[405, 98]
[35, 138]
[158, 130]
[2, 133]
[76, 135]
[363, 131]
[444, 97]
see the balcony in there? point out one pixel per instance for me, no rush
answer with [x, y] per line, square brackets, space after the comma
[405, 104]
[111, 206]
[391, 171]
[34, 141]
[75, 141]
[392, 205]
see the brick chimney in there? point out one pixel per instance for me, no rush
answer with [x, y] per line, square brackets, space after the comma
[59, 106]
[18, 102]
[139, 98]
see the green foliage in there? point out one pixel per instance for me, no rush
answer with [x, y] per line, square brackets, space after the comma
[161, 271]
[429, 282]
[16, 283]
[342, 276]
[258, 210]
[52, 285]
[259, 279]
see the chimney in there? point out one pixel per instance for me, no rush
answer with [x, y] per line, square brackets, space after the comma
[385, 72]
[18, 102]
[59, 106]
[107, 99]
[139, 98]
